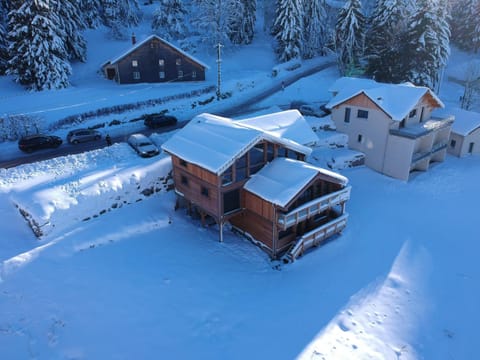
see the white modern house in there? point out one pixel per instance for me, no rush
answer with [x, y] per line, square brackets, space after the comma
[391, 124]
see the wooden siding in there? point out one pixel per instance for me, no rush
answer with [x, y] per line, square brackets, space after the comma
[148, 56]
[196, 171]
[362, 101]
[258, 206]
[258, 227]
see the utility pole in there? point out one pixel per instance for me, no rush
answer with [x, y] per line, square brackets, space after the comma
[219, 70]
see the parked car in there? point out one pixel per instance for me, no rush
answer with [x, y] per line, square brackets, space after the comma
[39, 141]
[156, 120]
[143, 145]
[83, 135]
[313, 110]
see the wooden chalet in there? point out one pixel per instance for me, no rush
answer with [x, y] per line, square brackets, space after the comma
[154, 60]
[252, 175]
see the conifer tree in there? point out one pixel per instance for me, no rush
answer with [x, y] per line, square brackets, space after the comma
[427, 50]
[70, 26]
[118, 15]
[385, 40]
[242, 22]
[3, 39]
[316, 28]
[37, 51]
[212, 20]
[169, 20]
[90, 11]
[288, 29]
[464, 21]
[349, 41]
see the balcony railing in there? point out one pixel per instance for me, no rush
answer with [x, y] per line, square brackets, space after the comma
[315, 237]
[423, 128]
[313, 208]
[421, 155]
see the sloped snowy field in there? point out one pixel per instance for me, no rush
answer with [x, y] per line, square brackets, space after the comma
[144, 281]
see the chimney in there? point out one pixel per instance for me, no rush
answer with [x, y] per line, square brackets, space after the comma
[134, 39]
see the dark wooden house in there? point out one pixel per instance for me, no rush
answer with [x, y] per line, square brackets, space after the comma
[154, 60]
[257, 180]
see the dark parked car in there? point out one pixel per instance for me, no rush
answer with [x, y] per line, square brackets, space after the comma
[82, 135]
[36, 142]
[155, 121]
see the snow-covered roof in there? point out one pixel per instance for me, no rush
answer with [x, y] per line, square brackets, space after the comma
[282, 179]
[139, 44]
[396, 100]
[214, 142]
[465, 121]
[289, 124]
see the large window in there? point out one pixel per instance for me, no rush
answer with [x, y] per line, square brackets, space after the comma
[231, 201]
[362, 114]
[227, 176]
[161, 74]
[241, 168]
[136, 75]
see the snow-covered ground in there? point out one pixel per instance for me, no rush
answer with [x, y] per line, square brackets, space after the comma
[118, 274]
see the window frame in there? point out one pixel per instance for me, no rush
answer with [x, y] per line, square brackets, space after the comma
[134, 63]
[136, 75]
[346, 116]
[362, 114]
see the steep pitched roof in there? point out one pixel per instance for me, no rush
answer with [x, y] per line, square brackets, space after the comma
[396, 100]
[289, 124]
[215, 142]
[465, 122]
[282, 179]
[141, 43]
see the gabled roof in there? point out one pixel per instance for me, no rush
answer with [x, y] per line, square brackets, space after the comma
[396, 100]
[282, 179]
[214, 142]
[141, 43]
[465, 122]
[289, 124]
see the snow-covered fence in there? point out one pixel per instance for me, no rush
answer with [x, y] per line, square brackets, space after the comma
[119, 109]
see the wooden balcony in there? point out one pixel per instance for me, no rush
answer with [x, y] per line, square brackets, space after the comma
[315, 237]
[313, 208]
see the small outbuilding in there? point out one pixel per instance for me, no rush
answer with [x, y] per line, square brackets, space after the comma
[465, 134]
[154, 60]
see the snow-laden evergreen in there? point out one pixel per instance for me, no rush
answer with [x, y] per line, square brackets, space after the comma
[288, 29]
[37, 51]
[3, 39]
[211, 20]
[90, 12]
[350, 36]
[385, 40]
[120, 15]
[316, 29]
[242, 25]
[169, 20]
[465, 24]
[427, 45]
[70, 25]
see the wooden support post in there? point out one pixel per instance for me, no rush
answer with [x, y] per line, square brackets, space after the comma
[220, 226]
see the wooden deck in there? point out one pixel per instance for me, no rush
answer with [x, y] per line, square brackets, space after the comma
[313, 208]
[315, 237]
